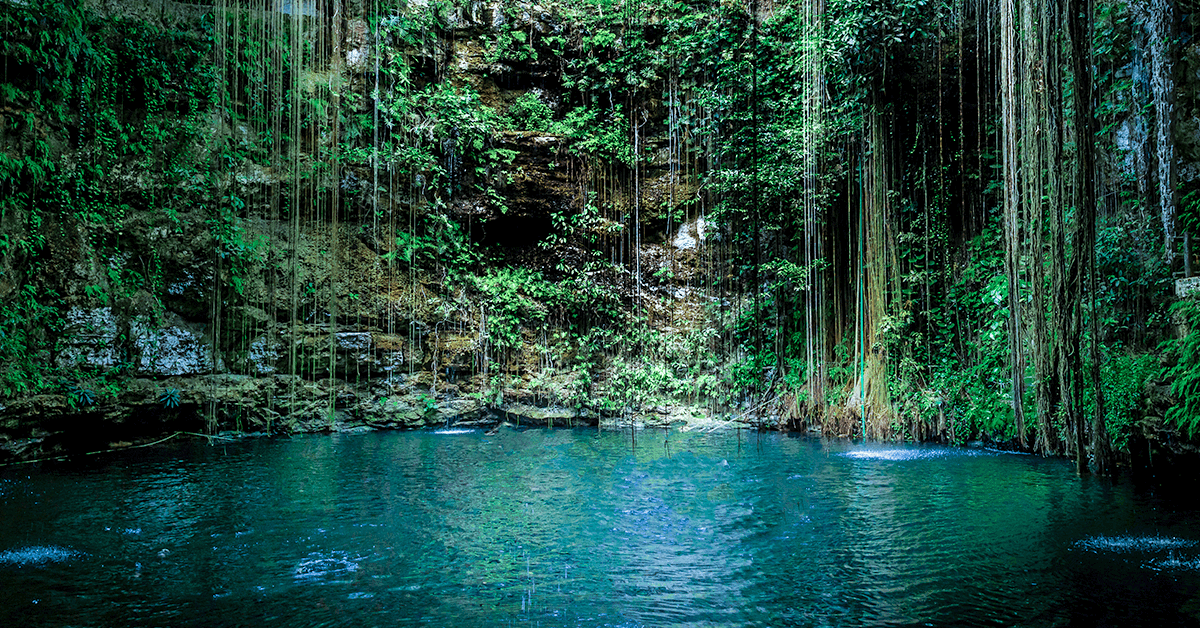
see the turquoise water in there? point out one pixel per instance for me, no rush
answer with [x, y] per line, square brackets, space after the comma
[580, 528]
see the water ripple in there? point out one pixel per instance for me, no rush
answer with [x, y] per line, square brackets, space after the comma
[576, 529]
[318, 566]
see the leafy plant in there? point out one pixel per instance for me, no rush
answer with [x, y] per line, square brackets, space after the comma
[1123, 379]
[437, 239]
[1184, 375]
[169, 398]
[428, 403]
[529, 113]
[79, 396]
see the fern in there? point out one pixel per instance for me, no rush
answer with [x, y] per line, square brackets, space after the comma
[1185, 374]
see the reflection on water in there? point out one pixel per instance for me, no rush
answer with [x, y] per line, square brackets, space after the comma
[579, 528]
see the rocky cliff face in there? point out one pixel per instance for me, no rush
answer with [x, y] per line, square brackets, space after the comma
[304, 285]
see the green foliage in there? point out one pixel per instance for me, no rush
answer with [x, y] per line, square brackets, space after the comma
[79, 396]
[841, 372]
[598, 134]
[436, 240]
[427, 404]
[614, 53]
[1112, 44]
[635, 384]
[440, 135]
[90, 97]
[28, 327]
[1135, 284]
[965, 372]
[791, 276]
[774, 153]
[1123, 379]
[509, 294]
[236, 246]
[1189, 209]
[651, 369]
[518, 298]
[979, 386]
[573, 226]
[511, 42]
[1184, 375]
[754, 356]
[170, 398]
[492, 393]
[529, 113]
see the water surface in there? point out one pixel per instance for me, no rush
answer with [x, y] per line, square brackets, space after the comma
[580, 528]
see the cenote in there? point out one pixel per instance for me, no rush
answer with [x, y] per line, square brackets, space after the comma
[585, 528]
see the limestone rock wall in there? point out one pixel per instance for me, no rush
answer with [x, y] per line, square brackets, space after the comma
[153, 322]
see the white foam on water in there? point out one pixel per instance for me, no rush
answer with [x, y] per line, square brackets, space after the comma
[892, 454]
[37, 555]
[320, 566]
[1127, 544]
[359, 595]
[900, 455]
[1173, 563]
[455, 431]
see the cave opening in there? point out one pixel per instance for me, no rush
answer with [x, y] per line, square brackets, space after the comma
[520, 232]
